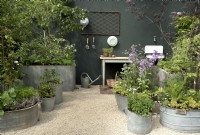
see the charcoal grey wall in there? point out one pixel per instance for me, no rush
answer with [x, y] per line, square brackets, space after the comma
[132, 31]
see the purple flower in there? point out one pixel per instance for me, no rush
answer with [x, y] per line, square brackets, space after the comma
[133, 55]
[143, 64]
[155, 57]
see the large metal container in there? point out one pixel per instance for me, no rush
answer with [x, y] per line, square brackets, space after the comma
[179, 120]
[67, 75]
[19, 119]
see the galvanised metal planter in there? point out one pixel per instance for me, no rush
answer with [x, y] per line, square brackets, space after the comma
[138, 124]
[47, 104]
[122, 102]
[59, 95]
[67, 76]
[182, 121]
[19, 119]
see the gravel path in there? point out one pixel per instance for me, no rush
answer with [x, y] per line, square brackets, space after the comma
[86, 112]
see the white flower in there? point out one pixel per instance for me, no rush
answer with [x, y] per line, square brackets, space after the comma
[16, 62]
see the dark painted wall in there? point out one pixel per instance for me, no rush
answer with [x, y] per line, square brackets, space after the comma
[132, 31]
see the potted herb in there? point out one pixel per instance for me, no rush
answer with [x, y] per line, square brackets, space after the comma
[49, 81]
[140, 108]
[107, 52]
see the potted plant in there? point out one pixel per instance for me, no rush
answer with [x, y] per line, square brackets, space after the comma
[126, 84]
[107, 52]
[179, 105]
[110, 51]
[180, 96]
[19, 108]
[140, 108]
[49, 48]
[49, 81]
[57, 54]
[136, 77]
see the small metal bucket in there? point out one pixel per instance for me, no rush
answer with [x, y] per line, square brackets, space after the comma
[86, 81]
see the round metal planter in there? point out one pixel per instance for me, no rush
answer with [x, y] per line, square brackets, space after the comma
[122, 102]
[19, 119]
[182, 121]
[47, 104]
[138, 124]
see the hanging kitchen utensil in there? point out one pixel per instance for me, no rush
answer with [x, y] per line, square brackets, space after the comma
[87, 46]
[93, 45]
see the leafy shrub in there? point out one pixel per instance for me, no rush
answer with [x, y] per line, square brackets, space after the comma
[50, 51]
[119, 89]
[9, 69]
[141, 104]
[176, 94]
[49, 81]
[18, 98]
[128, 80]
[25, 93]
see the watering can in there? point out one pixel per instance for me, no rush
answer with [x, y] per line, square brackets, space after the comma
[86, 81]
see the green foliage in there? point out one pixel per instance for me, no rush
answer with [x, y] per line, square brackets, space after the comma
[29, 18]
[183, 24]
[7, 100]
[174, 89]
[176, 94]
[180, 60]
[18, 98]
[48, 52]
[141, 104]
[128, 80]
[39, 19]
[143, 83]
[107, 50]
[24, 93]
[47, 13]
[185, 61]
[50, 79]
[14, 19]
[120, 88]
[186, 56]
[9, 69]
[186, 25]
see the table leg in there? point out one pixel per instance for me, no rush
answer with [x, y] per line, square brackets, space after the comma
[103, 74]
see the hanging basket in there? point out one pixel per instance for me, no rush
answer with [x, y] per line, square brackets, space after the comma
[111, 82]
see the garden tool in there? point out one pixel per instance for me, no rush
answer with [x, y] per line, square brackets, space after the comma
[86, 81]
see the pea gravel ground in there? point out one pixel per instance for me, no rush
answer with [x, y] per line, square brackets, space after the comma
[87, 112]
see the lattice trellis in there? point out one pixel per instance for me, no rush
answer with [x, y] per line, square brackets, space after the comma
[103, 23]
